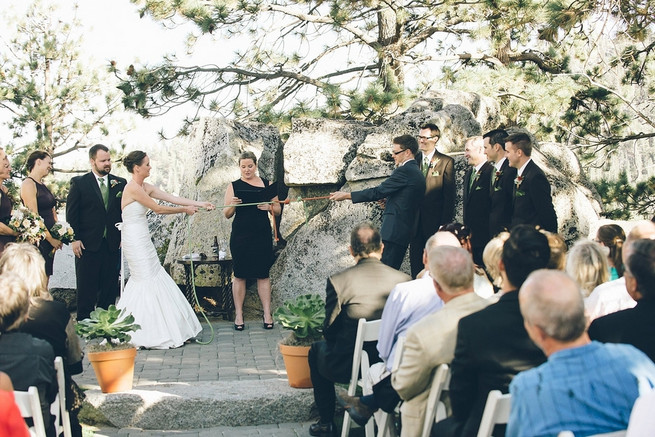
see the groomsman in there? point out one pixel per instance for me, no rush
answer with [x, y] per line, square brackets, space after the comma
[438, 205]
[502, 182]
[533, 203]
[93, 208]
[476, 196]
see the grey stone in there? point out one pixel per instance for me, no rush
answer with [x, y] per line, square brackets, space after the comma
[202, 405]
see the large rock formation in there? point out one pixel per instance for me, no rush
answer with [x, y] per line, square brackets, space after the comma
[321, 156]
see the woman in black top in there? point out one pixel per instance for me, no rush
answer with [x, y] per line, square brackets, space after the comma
[7, 235]
[251, 243]
[38, 199]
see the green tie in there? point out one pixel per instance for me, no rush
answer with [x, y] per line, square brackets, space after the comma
[473, 175]
[104, 191]
[426, 165]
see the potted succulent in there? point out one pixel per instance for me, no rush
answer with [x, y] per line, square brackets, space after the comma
[111, 355]
[304, 317]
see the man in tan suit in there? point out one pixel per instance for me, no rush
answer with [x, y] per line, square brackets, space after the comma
[431, 341]
[357, 292]
[438, 206]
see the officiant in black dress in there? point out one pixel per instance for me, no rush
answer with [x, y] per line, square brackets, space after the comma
[251, 242]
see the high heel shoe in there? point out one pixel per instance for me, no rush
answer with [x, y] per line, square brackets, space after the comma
[267, 325]
[240, 327]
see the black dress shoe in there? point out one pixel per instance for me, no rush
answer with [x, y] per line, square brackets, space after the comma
[319, 429]
[358, 412]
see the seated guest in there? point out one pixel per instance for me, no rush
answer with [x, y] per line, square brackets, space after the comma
[612, 296]
[408, 303]
[492, 344]
[585, 387]
[357, 292]
[612, 236]
[11, 421]
[557, 250]
[481, 283]
[586, 263]
[491, 255]
[27, 360]
[635, 326]
[47, 319]
[431, 341]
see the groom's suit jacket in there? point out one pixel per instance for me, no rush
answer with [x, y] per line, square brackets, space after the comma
[85, 211]
[501, 192]
[477, 203]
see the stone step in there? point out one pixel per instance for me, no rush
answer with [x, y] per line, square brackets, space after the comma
[182, 405]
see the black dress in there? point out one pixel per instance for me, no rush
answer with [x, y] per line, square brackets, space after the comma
[251, 243]
[5, 214]
[45, 202]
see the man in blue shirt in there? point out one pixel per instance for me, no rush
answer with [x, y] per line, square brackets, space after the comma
[585, 387]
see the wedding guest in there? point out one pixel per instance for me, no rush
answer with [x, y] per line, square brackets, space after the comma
[251, 244]
[612, 236]
[11, 421]
[558, 250]
[47, 319]
[38, 199]
[7, 235]
[27, 360]
[587, 265]
[492, 255]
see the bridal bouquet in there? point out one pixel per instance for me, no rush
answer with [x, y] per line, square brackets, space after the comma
[30, 227]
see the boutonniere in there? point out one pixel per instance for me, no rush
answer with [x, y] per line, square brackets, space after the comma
[517, 183]
[497, 186]
[119, 194]
[435, 173]
[113, 183]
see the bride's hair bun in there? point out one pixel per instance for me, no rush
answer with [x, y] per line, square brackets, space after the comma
[132, 159]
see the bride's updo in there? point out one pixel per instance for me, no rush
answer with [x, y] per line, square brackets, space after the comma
[132, 159]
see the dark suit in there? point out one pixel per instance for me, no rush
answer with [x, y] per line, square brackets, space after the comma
[492, 347]
[635, 326]
[437, 206]
[359, 291]
[403, 191]
[97, 269]
[476, 207]
[502, 195]
[533, 204]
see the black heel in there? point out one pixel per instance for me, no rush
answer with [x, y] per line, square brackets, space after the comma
[240, 327]
[267, 325]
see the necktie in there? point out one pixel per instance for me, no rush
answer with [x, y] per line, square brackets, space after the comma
[426, 165]
[104, 190]
[473, 175]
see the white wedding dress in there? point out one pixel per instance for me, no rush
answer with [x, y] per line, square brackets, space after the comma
[156, 302]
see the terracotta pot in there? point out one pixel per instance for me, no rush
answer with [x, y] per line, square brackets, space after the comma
[297, 365]
[114, 369]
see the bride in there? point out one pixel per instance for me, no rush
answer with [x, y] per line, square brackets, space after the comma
[166, 318]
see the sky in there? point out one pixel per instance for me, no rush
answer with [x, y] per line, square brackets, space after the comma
[113, 30]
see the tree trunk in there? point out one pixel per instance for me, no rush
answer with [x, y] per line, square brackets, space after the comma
[389, 39]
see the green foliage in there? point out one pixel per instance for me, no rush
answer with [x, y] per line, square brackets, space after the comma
[625, 201]
[304, 316]
[110, 324]
[56, 101]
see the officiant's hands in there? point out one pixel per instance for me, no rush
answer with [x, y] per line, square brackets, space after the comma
[235, 201]
[78, 247]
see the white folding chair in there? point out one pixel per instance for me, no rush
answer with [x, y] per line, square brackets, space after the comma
[366, 331]
[30, 406]
[440, 383]
[621, 433]
[496, 411]
[58, 407]
[386, 427]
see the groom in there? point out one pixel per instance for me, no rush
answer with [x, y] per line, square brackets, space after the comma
[93, 208]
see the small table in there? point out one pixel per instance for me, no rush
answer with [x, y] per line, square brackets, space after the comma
[225, 302]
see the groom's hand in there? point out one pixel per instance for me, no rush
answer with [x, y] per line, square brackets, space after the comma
[77, 246]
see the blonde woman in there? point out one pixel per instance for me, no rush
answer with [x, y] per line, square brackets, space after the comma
[586, 263]
[47, 319]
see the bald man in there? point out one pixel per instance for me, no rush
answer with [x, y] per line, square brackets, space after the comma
[585, 387]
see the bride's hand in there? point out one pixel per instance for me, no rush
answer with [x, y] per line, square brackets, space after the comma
[190, 210]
